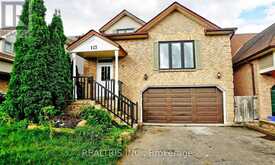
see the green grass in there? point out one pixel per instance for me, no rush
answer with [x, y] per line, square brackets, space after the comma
[86, 145]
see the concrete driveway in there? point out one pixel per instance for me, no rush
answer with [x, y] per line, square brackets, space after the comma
[199, 145]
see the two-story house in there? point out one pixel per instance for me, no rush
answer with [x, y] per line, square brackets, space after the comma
[7, 39]
[177, 66]
[254, 69]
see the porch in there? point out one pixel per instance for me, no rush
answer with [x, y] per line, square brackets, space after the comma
[103, 52]
[100, 80]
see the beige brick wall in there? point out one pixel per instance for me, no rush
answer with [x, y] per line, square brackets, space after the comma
[243, 84]
[263, 85]
[215, 54]
[90, 67]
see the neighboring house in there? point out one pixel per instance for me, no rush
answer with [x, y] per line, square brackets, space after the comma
[7, 39]
[177, 66]
[238, 40]
[254, 70]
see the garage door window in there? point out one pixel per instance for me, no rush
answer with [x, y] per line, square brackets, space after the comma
[177, 55]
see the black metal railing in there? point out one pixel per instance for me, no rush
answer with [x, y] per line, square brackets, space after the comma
[118, 105]
[83, 87]
[110, 85]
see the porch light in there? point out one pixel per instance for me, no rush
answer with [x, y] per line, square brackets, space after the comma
[219, 75]
[145, 77]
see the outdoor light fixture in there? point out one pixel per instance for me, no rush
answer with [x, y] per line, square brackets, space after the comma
[145, 77]
[219, 75]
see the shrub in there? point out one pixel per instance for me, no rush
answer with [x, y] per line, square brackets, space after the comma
[47, 113]
[96, 116]
[5, 118]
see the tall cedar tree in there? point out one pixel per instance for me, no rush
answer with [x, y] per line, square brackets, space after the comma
[61, 88]
[13, 104]
[35, 81]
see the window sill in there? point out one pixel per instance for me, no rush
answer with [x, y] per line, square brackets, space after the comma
[178, 70]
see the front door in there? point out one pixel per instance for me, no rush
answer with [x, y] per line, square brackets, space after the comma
[273, 100]
[104, 72]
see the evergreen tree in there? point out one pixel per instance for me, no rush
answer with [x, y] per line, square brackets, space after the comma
[41, 73]
[61, 86]
[35, 79]
[13, 98]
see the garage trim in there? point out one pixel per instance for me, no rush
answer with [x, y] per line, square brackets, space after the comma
[185, 86]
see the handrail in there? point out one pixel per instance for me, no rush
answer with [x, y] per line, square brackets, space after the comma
[119, 105]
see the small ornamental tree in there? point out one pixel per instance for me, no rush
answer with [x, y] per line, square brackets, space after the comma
[41, 75]
[13, 104]
[61, 85]
[36, 93]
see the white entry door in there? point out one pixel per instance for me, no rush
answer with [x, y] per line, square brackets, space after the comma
[104, 72]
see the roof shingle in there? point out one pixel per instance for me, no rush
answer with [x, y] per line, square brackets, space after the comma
[238, 40]
[257, 44]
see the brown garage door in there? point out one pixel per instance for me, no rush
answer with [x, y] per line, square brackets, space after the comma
[182, 105]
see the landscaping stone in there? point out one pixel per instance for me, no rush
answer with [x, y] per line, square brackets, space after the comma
[33, 126]
[82, 123]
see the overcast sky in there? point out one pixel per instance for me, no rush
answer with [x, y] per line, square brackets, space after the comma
[80, 16]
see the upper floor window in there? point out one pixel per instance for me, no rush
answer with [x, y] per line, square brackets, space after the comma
[8, 47]
[10, 12]
[126, 30]
[177, 55]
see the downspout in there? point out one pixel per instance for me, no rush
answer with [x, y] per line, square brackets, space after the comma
[253, 78]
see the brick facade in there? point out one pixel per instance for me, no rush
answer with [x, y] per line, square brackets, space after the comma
[263, 85]
[215, 56]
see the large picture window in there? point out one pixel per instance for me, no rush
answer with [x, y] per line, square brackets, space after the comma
[177, 55]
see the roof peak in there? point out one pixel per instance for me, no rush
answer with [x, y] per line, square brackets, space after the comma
[120, 15]
[176, 6]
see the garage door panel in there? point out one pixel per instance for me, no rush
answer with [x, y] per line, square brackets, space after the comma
[153, 100]
[155, 109]
[206, 99]
[182, 99]
[189, 108]
[180, 119]
[183, 105]
[202, 109]
[208, 119]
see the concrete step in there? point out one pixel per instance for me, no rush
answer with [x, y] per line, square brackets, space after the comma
[263, 130]
[267, 125]
[75, 109]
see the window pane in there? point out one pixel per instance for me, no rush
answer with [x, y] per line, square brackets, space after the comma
[8, 47]
[164, 55]
[188, 55]
[176, 55]
[103, 73]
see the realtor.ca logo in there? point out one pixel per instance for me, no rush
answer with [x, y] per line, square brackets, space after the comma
[10, 12]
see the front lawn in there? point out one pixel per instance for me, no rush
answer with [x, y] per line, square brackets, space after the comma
[91, 144]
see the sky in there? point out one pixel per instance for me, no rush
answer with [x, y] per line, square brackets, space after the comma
[79, 16]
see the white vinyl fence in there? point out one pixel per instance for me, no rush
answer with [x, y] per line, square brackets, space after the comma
[245, 109]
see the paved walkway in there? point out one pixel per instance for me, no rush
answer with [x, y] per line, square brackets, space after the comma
[199, 145]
